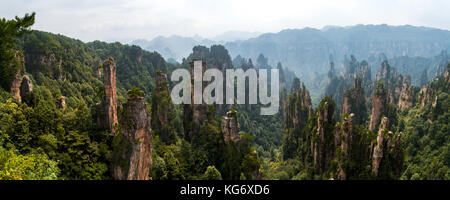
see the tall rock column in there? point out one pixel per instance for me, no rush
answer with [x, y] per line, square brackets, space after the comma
[110, 99]
[230, 127]
[21, 85]
[344, 136]
[194, 114]
[378, 106]
[132, 158]
[406, 99]
[320, 155]
[378, 149]
[161, 108]
[355, 102]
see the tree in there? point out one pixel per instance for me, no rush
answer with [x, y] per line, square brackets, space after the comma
[9, 31]
[212, 173]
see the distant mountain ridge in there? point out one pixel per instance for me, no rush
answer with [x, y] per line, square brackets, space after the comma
[307, 50]
[178, 47]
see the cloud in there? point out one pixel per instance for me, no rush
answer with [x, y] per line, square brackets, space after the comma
[127, 20]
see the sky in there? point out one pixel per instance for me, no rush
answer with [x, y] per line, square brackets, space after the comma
[127, 20]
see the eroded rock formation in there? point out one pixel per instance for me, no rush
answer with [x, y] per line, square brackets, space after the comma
[378, 150]
[107, 109]
[298, 108]
[378, 106]
[355, 102]
[194, 114]
[161, 102]
[406, 99]
[21, 85]
[343, 137]
[61, 103]
[132, 159]
[230, 127]
[425, 96]
[322, 157]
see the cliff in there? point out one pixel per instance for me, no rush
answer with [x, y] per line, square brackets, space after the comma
[132, 159]
[21, 85]
[107, 109]
[194, 114]
[320, 146]
[406, 99]
[355, 102]
[387, 151]
[343, 138]
[297, 108]
[161, 109]
[378, 106]
[230, 127]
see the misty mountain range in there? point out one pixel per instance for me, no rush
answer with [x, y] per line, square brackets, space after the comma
[308, 51]
[178, 47]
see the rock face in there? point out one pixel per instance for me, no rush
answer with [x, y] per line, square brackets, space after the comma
[297, 109]
[425, 96]
[160, 109]
[109, 103]
[406, 99]
[133, 145]
[447, 73]
[343, 137]
[378, 106]
[331, 72]
[386, 72]
[320, 154]
[26, 86]
[21, 84]
[355, 102]
[194, 114]
[387, 148]
[61, 103]
[230, 127]
[378, 150]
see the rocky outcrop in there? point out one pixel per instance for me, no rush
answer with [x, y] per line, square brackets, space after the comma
[387, 151]
[321, 156]
[21, 85]
[297, 108]
[447, 74]
[385, 73]
[194, 114]
[107, 110]
[378, 106]
[425, 96]
[132, 159]
[331, 72]
[343, 137]
[26, 86]
[378, 150]
[406, 99]
[160, 101]
[61, 103]
[230, 127]
[364, 72]
[355, 102]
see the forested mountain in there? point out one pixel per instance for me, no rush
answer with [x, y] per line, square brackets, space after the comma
[75, 110]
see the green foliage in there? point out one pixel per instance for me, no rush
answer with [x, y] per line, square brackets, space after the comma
[134, 93]
[26, 167]
[426, 139]
[212, 173]
[10, 30]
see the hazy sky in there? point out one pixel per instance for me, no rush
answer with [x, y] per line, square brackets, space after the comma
[126, 20]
